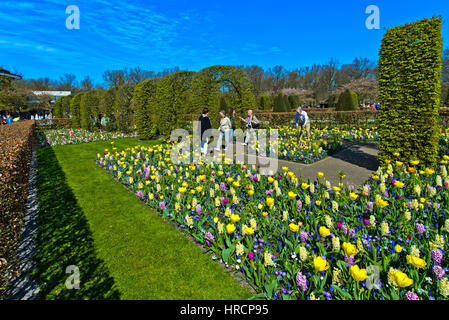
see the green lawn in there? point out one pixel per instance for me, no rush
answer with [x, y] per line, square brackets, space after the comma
[122, 248]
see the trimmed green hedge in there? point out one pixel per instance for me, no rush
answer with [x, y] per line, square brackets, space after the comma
[123, 107]
[57, 108]
[145, 108]
[264, 102]
[75, 105]
[107, 109]
[89, 109]
[279, 103]
[174, 101]
[409, 92]
[348, 101]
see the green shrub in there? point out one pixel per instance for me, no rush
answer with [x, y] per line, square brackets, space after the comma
[145, 108]
[409, 92]
[279, 103]
[75, 104]
[294, 101]
[57, 108]
[264, 102]
[348, 101]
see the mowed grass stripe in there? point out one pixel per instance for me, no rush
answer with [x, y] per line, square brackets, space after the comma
[147, 257]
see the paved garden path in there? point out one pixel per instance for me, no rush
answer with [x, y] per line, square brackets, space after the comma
[357, 160]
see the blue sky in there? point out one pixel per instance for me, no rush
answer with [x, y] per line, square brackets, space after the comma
[195, 34]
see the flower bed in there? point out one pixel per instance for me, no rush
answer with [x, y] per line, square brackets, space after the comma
[76, 136]
[300, 240]
[16, 142]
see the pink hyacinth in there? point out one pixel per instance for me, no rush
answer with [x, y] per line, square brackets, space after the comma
[420, 228]
[301, 281]
[437, 256]
[439, 272]
[303, 236]
[411, 296]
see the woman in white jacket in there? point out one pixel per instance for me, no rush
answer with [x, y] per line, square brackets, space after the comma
[225, 129]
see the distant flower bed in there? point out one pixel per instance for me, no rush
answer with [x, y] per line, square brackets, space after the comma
[294, 239]
[77, 136]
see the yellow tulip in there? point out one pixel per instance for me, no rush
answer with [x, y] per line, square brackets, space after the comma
[324, 232]
[270, 201]
[292, 195]
[350, 249]
[401, 279]
[320, 264]
[235, 218]
[358, 274]
[230, 228]
[293, 227]
[353, 196]
[417, 262]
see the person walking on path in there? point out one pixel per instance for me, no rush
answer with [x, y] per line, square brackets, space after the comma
[225, 128]
[8, 119]
[302, 122]
[232, 132]
[251, 123]
[205, 124]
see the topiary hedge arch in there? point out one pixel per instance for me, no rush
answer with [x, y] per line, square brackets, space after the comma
[211, 81]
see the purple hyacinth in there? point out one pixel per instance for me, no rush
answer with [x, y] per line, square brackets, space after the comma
[437, 256]
[370, 205]
[140, 194]
[345, 229]
[411, 296]
[198, 208]
[351, 232]
[299, 205]
[303, 235]
[420, 228]
[439, 272]
[349, 260]
[301, 281]
[162, 205]
[209, 239]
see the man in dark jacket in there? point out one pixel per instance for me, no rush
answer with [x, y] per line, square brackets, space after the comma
[205, 124]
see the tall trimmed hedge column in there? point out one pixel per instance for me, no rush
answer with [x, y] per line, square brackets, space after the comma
[145, 108]
[89, 109]
[409, 92]
[75, 104]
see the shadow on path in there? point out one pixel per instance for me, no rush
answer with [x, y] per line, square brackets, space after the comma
[363, 155]
[64, 239]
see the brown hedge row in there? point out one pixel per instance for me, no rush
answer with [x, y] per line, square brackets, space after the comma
[16, 142]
